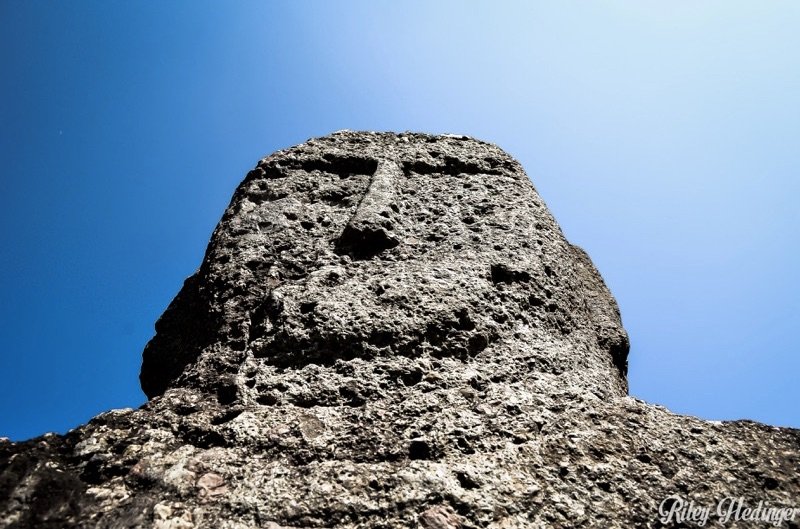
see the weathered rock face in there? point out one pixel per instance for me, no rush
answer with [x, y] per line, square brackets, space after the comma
[390, 331]
[391, 251]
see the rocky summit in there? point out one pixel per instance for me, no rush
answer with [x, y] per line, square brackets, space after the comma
[391, 331]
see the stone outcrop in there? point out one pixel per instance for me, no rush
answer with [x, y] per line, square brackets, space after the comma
[390, 330]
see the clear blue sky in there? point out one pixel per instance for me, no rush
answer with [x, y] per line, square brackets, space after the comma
[665, 137]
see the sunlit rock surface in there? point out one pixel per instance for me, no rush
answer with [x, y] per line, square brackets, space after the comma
[390, 330]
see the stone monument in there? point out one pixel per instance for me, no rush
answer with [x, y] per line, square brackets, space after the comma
[387, 331]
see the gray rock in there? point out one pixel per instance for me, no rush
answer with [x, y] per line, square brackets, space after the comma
[390, 330]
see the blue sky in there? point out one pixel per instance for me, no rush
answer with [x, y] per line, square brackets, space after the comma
[665, 138]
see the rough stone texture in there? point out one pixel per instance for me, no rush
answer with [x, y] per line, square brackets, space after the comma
[390, 330]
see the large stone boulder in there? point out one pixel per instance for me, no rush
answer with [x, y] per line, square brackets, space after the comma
[390, 330]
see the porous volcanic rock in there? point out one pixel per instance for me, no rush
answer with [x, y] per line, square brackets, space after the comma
[387, 331]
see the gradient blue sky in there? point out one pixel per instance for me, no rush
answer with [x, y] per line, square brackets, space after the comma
[664, 136]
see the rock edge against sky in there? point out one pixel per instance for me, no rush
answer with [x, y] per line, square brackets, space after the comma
[390, 330]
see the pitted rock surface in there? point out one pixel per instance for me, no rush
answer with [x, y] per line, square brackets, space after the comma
[394, 250]
[390, 330]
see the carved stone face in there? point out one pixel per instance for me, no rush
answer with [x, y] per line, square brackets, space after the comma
[366, 246]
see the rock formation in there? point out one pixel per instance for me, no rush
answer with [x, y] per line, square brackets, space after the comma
[387, 331]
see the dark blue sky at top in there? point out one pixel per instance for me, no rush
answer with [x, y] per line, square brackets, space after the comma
[664, 138]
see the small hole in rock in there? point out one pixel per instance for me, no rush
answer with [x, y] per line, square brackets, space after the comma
[419, 449]
[267, 399]
[466, 481]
